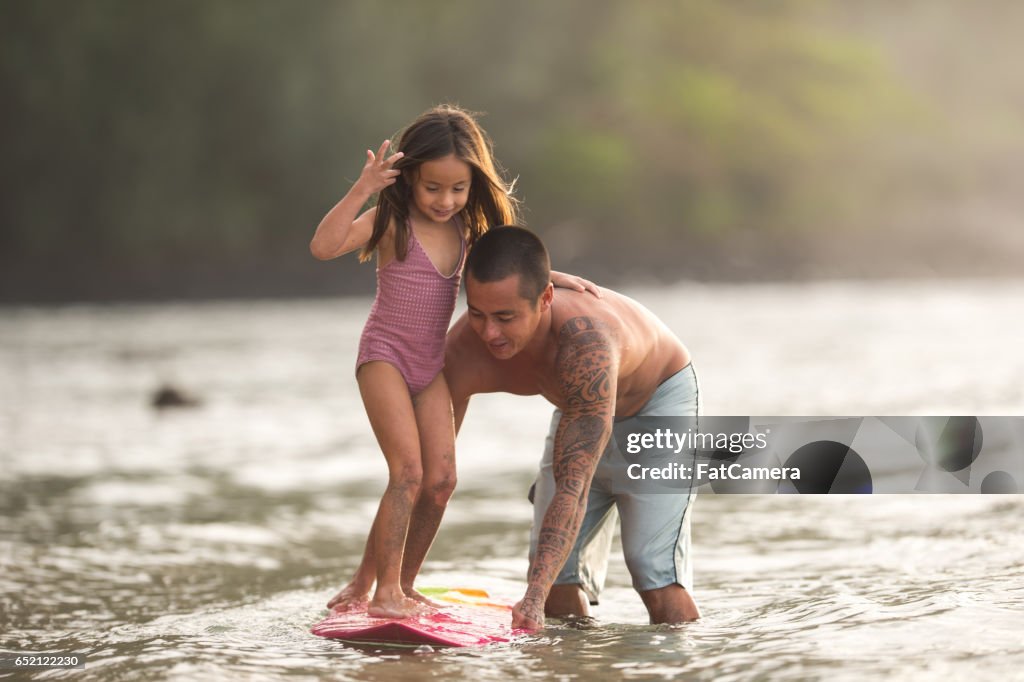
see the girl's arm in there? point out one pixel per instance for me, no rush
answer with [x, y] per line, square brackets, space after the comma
[567, 281]
[341, 231]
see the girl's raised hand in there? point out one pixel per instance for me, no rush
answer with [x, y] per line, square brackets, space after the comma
[378, 172]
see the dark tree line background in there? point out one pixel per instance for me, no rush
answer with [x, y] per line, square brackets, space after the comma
[188, 148]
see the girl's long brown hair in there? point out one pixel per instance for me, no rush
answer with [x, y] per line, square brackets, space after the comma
[436, 133]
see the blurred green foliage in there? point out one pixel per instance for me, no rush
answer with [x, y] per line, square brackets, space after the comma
[148, 145]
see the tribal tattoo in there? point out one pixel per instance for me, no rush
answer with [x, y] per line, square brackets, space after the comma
[587, 371]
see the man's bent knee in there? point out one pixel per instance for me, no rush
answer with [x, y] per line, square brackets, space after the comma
[566, 600]
[670, 604]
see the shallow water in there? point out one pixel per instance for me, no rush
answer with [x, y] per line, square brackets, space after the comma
[202, 543]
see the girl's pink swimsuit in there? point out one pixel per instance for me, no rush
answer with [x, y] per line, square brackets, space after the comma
[411, 314]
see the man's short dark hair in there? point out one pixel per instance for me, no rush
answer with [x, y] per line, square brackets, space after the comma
[511, 250]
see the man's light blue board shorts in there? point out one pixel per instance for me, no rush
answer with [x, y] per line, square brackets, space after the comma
[655, 527]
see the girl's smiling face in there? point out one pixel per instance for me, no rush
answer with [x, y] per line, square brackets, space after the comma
[441, 188]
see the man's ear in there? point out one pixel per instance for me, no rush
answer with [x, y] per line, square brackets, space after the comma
[547, 296]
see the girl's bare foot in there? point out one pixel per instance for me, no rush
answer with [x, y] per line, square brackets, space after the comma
[351, 597]
[416, 596]
[402, 607]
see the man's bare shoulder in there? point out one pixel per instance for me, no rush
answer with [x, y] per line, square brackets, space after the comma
[576, 317]
[468, 364]
[461, 337]
[463, 345]
[580, 332]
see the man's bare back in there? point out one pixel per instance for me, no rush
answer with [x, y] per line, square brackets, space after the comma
[646, 351]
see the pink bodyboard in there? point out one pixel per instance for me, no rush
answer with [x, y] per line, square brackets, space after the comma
[467, 617]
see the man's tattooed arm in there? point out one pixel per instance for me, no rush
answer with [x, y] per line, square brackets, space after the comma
[587, 366]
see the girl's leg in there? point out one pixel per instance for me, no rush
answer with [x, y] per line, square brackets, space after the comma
[436, 425]
[389, 407]
[356, 594]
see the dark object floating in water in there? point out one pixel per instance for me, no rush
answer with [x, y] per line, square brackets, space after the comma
[168, 396]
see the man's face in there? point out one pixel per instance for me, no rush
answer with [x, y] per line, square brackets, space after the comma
[504, 320]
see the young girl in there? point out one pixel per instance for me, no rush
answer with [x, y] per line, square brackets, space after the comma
[439, 192]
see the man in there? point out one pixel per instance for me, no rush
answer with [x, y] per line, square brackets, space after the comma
[597, 359]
